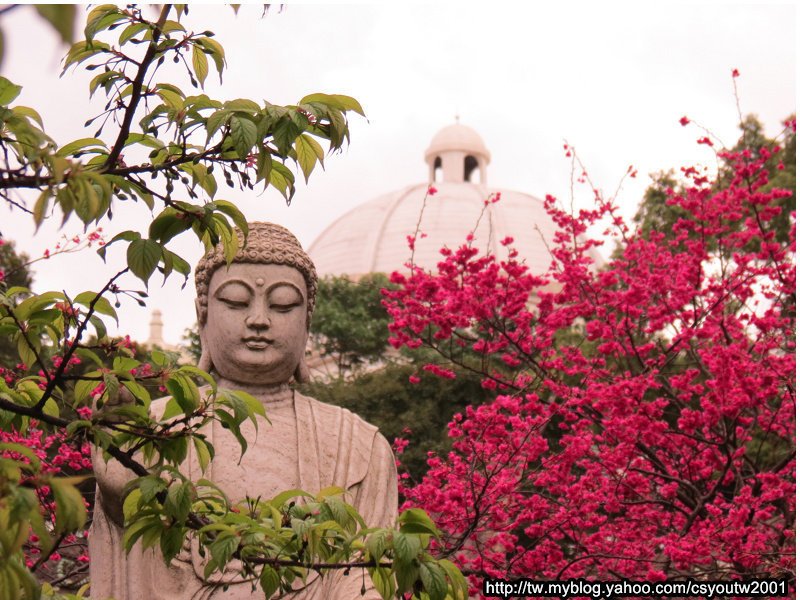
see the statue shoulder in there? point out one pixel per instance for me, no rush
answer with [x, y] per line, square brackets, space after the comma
[330, 413]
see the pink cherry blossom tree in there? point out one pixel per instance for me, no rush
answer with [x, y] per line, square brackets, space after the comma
[644, 422]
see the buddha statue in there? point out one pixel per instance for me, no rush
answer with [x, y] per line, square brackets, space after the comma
[253, 317]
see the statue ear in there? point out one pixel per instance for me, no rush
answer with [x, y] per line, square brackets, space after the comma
[301, 373]
[205, 356]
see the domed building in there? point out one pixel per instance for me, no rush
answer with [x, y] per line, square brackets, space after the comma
[373, 236]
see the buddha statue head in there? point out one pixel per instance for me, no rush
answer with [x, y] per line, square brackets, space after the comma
[254, 314]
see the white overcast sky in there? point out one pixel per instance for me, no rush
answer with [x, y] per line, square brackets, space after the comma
[613, 79]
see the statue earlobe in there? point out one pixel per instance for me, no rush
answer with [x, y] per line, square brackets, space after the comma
[205, 363]
[301, 373]
[205, 356]
[205, 353]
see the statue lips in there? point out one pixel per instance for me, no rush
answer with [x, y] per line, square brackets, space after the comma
[257, 342]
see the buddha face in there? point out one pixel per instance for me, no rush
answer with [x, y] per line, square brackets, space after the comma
[255, 330]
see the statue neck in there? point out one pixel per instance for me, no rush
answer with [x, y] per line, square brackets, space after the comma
[267, 394]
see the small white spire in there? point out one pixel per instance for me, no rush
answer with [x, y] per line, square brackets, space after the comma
[156, 330]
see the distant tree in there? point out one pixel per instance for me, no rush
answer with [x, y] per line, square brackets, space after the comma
[655, 213]
[781, 165]
[14, 272]
[191, 342]
[350, 323]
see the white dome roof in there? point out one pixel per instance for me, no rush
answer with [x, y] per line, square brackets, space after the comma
[373, 236]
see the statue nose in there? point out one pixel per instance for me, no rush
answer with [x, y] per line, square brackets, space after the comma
[257, 320]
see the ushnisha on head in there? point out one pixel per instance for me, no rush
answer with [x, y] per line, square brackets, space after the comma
[250, 312]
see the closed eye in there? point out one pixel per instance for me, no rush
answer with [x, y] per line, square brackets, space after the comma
[235, 304]
[284, 308]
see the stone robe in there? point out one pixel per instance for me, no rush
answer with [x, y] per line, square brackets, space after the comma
[310, 445]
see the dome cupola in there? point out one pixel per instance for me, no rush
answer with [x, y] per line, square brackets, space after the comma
[373, 237]
[457, 154]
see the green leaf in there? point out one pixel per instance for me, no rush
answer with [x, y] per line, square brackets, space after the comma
[139, 528]
[263, 165]
[406, 575]
[73, 148]
[51, 408]
[25, 351]
[182, 396]
[215, 121]
[338, 101]
[131, 504]
[216, 51]
[23, 451]
[170, 26]
[100, 18]
[41, 206]
[458, 582]
[285, 134]
[8, 91]
[99, 326]
[88, 355]
[223, 548]
[130, 31]
[61, 17]
[83, 50]
[105, 79]
[24, 584]
[282, 498]
[168, 224]
[171, 542]
[179, 500]
[384, 582]
[203, 451]
[83, 390]
[242, 105]
[192, 370]
[416, 520]
[230, 209]
[270, 581]
[244, 135]
[308, 152]
[26, 111]
[433, 579]
[282, 179]
[70, 509]
[145, 140]
[101, 304]
[172, 99]
[143, 257]
[406, 546]
[139, 391]
[150, 486]
[376, 544]
[128, 236]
